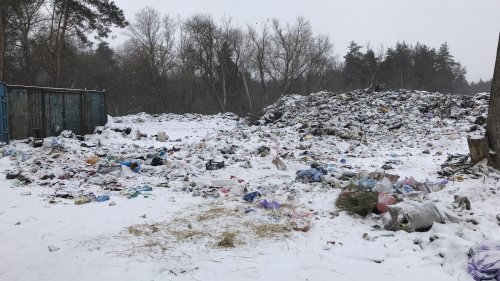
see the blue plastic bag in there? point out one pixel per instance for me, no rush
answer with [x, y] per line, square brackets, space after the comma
[134, 165]
[367, 184]
[250, 197]
[313, 174]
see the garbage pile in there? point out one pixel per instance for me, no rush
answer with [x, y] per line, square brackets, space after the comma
[373, 116]
[379, 192]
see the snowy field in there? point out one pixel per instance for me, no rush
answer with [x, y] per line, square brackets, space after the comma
[194, 224]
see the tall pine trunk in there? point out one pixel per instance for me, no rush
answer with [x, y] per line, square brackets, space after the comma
[493, 124]
[3, 17]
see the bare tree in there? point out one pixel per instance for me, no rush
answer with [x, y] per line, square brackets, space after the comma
[186, 69]
[201, 35]
[26, 20]
[153, 42]
[261, 47]
[294, 51]
[244, 54]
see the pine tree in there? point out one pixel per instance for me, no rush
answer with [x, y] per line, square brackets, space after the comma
[79, 18]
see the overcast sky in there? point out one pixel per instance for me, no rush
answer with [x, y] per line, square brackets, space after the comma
[471, 27]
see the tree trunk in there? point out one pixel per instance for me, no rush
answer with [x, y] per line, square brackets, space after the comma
[56, 82]
[478, 148]
[2, 40]
[243, 76]
[493, 123]
[224, 92]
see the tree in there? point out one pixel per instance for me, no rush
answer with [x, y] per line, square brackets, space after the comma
[227, 62]
[479, 86]
[397, 66]
[370, 66]
[26, 19]
[244, 52]
[444, 68]
[201, 50]
[5, 8]
[152, 41]
[493, 121]
[78, 18]
[260, 49]
[424, 67]
[293, 52]
[353, 65]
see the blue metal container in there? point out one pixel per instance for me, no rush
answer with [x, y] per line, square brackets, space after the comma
[24, 109]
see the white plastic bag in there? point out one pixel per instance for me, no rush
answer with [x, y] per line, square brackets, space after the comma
[384, 185]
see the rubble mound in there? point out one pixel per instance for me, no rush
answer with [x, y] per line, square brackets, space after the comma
[364, 115]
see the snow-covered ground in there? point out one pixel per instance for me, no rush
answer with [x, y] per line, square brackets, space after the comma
[172, 233]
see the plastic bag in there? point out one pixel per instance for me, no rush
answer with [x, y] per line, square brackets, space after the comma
[384, 200]
[384, 185]
[485, 265]
[411, 216]
[367, 184]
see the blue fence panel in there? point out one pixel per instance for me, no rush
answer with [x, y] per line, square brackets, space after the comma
[72, 115]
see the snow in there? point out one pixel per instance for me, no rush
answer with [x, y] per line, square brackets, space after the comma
[50, 238]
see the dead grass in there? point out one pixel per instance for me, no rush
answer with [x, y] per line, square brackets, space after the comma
[268, 230]
[204, 224]
[155, 244]
[187, 234]
[144, 229]
[134, 230]
[227, 240]
[212, 214]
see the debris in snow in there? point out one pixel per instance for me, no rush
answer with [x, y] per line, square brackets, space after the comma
[53, 248]
[414, 216]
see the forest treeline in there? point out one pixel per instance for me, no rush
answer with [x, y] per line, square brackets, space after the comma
[199, 64]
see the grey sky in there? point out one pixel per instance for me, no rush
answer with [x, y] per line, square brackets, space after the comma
[471, 27]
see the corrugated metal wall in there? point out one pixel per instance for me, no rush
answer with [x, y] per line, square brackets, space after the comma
[4, 126]
[53, 110]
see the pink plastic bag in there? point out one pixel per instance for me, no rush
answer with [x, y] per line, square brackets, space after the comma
[384, 200]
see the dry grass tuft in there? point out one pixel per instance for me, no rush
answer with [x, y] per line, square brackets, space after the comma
[134, 230]
[186, 234]
[268, 230]
[227, 240]
[212, 214]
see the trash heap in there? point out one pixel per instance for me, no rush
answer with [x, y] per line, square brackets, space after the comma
[376, 116]
[403, 200]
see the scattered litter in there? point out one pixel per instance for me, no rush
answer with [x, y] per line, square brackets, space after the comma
[250, 197]
[53, 248]
[212, 165]
[279, 164]
[162, 137]
[269, 204]
[263, 151]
